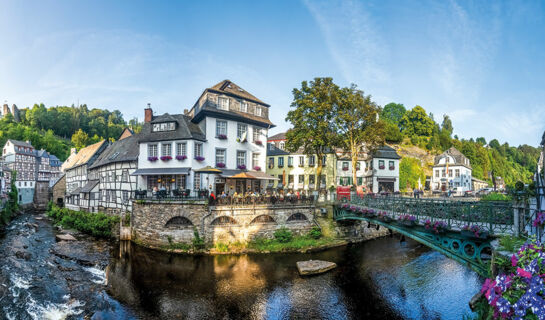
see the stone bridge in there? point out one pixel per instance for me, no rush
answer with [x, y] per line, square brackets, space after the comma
[155, 222]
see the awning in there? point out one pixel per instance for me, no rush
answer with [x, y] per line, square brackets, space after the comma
[242, 175]
[386, 179]
[89, 186]
[160, 171]
[262, 175]
[229, 173]
[208, 169]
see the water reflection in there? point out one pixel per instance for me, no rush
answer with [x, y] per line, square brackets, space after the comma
[381, 279]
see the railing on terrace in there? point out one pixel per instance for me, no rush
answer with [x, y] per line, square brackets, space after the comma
[494, 217]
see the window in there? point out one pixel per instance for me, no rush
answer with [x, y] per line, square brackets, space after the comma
[198, 149]
[165, 126]
[457, 173]
[243, 106]
[391, 165]
[256, 134]
[166, 149]
[358, 166]
[381, 164]
[437, 173]
[280, 162]
[255, 160]
[242, 130]
[181, 149]
[197, 181]
[282, 145]
[301, 179]
[290, 179]
[290, 161]
[152, 150]
[271, 162]
[125, 196]
[311, 160]
[301, 161]
[443, 173]
[450, 173]
[223, 103]
[258, 111]
[221, 128]
[345, 165]
[125, 175]
[241, 158]
[324, 160]
[311, 179]
[323, 182]
[220, 156]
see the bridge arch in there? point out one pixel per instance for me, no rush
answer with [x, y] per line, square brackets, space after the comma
[264, 218]
[224, 221]
[179, 221]
[297, 217]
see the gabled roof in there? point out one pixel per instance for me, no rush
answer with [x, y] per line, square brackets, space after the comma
[127, 132]
[20, 143]
[230, 88]
[278, 136]
[185, 129]
[119, 151]
[457, 155]
[386, 152]
[165, 117]
[42, 153]
[86, 154]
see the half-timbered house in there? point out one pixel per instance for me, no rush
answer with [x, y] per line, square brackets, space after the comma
[115, 184]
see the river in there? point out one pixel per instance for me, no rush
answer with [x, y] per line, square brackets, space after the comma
[88, 279]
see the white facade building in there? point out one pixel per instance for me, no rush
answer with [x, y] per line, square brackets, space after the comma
[344, 170]
[383, 173]
[451, 170]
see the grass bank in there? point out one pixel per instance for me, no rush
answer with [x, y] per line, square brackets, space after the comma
[96, 224]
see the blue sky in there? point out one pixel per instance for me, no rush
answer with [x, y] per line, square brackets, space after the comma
[482, 62]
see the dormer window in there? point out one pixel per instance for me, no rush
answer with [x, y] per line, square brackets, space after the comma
[243, 106]
[223, 103]
[258, 111]
[164, 126]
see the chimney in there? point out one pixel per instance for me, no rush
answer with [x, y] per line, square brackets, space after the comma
[148, 113]
[72, 151]
[186, 112]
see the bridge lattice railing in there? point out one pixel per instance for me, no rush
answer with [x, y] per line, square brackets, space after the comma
[494, 217]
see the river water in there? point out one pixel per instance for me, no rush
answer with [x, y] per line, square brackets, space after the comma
[87, 279]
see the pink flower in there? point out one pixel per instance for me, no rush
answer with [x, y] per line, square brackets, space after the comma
[523, 273]
[514, 260]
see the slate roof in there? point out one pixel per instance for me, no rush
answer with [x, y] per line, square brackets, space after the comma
[185, 129]
[54, 161]
[20, 143]
[386, 152]
[119, 151]
[278, 136]
[42, 153]
[86, 154]
[272, 150]
[457, 155]
[89, 186]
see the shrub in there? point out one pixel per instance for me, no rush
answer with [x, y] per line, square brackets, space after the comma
[96, 224]
[198, 242]
[315, 232]
[283, 235]
[221, 247]
[169, 239]
[127, 220]
[494, 196]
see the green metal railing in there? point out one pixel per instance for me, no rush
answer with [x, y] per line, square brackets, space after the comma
[494, 217]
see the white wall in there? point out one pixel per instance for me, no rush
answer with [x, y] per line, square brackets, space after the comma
[463, 181]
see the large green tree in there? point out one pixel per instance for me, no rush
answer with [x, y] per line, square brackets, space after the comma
[357, 123]
[417, 123]
[312, 117]
[393, 112]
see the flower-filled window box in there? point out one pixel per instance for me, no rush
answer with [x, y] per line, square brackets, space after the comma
[152, 159]
[241, 167]
[381, 167]
[199, 158]
[258, 142]
[392, 168]
[222, 136]
[181, 157]
[257, 168]
[345, 168]
[220, 165]
[166, 158]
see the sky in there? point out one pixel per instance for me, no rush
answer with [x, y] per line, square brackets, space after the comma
[480, 62]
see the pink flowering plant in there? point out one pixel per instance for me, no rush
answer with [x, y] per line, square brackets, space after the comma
[220, 165]
[407, 217]
[181, 157]
[475, 230]
[166, 158]
[436, 227]
[152, 159]
[539, 221]
[519, 291]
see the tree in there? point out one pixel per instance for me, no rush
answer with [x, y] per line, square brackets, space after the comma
[312, 119]
[481, 141]
[80, 139]
[392, 132]
[417, 123]
[410, 171]
[447, 124]
[393, 112]
[356, 120]
[494, 143]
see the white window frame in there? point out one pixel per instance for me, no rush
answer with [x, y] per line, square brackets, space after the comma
[255, 160]
[223, 157]
[152, 150]
[181, 149]
[258, 111]
[241, 129]
[166, 149]
[241, 157]
[197, 149]
[221, 105]
[221, 127]
[256, 134]
[243, 106]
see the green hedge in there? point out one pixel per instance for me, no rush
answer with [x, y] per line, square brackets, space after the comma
[494, 196]
[96, 224]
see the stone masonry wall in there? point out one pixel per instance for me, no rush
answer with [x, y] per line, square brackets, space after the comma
[150, 222]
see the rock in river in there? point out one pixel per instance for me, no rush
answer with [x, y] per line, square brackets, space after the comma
[65, 237]
[314, 267]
